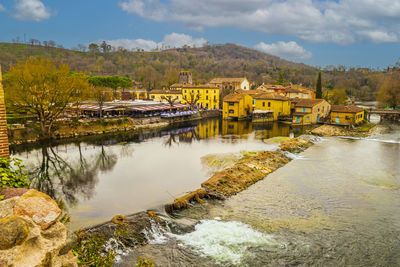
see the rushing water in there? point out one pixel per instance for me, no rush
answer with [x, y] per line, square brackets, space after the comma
[336, 205]
[100, 177]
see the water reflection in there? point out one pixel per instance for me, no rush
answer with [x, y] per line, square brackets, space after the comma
[98, 177]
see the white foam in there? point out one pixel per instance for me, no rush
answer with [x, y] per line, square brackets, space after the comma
[372, 139]
[225, 241]
[292, 156]
[155, 235]
[117, 246]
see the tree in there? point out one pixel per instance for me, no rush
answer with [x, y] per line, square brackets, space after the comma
[170, 99]
[318, 92]
[101, 95]
[113, 82]
[105, 47]
[93, 48]
[39, 87]
[337, 96]
[192, 99]
[389, 95]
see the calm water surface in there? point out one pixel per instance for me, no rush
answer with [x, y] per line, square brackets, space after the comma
[122, 175]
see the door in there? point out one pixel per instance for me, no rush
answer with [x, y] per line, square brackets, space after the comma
[298, 119]
[318, 117]
[337, 119]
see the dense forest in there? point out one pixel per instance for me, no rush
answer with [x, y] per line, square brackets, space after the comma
[159, 69]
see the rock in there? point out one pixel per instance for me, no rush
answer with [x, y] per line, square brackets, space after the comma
[40, 207]
[329, 130]
[118, 219]
[295, 145]
[13, 231]
[12, 192]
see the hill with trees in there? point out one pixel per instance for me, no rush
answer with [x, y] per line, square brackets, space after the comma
[159, 69]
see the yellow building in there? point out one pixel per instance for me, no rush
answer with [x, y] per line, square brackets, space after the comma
[242, 128]
[278, 104]
[310, 111]
[231, 83]
[200, 96]
[164, 95]
[346, 115]
[237, 106]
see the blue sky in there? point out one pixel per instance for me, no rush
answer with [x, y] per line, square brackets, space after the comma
[360, 33]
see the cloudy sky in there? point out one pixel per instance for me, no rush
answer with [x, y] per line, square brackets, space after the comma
[360, 33]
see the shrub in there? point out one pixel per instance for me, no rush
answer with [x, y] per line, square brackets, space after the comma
[11, 174]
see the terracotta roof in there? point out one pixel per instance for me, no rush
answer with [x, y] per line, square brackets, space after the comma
[191, 86]
[308, 103]
[227, 80]
[175, 92]
[233, 97]
[271, 96]
[292, 90]
[249, 92]
[346, 109]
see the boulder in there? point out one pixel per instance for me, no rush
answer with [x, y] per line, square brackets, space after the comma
[13, 231]
[118, 219]
[12, 192]
[40, 207]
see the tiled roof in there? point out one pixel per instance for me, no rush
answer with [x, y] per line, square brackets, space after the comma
[233, 97]
[308, 103]
[227, 80]
[346, 109]
[270, 96]
[191, 86]
[175, 92]
[249, 92]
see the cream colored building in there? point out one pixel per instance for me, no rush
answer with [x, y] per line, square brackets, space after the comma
[231, 83]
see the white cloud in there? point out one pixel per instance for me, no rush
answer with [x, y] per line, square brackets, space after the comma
[289, 50]
[170, 40]
[2, 8]
[337, 21]
[31, 10]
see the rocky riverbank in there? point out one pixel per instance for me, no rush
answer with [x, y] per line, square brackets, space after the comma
[333, 130]
[31, 233]
[19, 134]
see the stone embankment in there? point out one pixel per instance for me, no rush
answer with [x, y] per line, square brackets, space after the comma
[30, 231]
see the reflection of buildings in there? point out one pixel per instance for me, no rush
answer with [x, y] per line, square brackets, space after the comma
[271, 129]
[204, 130]
[236, 127]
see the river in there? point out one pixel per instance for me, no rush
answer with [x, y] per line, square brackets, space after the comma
[336, 204]
[99, 177]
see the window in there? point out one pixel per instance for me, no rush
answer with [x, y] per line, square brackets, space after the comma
[263, 104]
[206, 97]
[231, 111]
[308, 117]
[269, 104]
[184, 91]
[192, 91]
[206, 91]
[304, 109]
[245, 87]
[231, 104]
[323, 109]
[215, 98]
[347, 118]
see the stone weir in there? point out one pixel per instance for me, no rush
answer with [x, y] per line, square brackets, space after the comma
[31, 233]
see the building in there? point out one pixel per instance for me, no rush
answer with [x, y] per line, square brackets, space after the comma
[237, 106]
[231, 83]
[185, 77]
[166, 95]
[277, 104]
[299, 93]
[310, 111]
[201, 96]
[347, 115]
[272, 88]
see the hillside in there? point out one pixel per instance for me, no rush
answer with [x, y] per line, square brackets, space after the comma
[155, 70]
[161, 68]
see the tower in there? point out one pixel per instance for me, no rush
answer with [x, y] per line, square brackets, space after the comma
[185, 77]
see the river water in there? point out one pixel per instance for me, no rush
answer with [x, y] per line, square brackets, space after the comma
[100, 177]
[337, 204]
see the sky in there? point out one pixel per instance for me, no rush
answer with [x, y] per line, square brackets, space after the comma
[357, 33]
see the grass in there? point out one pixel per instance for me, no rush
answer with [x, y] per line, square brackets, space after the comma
[365, 127]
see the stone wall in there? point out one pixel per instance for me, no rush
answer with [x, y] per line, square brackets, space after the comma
[4, 149]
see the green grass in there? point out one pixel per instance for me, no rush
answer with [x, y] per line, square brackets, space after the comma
[365, 127]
